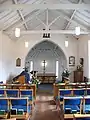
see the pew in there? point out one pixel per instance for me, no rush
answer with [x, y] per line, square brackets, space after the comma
[56, 87]
[19, 86]
[14, 98]
[64, 92]
[27, 93]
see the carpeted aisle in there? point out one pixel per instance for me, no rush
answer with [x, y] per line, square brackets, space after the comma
[45, 108]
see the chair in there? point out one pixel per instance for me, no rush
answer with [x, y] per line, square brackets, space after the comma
[27, 93]
[22, 108]
[64, 92]
[12, 93]
[86, 105]
[4, 107]
[72, 105]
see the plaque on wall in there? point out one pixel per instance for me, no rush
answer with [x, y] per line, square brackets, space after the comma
[71, 61]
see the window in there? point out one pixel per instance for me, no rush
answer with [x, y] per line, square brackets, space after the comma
[31, 67]
[89, 58]
[57, 69]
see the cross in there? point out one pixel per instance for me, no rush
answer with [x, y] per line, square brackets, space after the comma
[44, 66]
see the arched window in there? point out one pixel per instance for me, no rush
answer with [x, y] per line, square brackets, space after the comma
[89, 58]
[18, 62]
[31, 68]
[57, 68]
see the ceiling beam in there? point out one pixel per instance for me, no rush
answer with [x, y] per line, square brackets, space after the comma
[47, 17]
[41, 21]
[19, 24]
[51, 31]
[54, 20]
[63, 15]
[80, 1]
[46, 6]
[21, 15]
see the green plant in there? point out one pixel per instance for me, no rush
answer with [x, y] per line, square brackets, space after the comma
[66, 73]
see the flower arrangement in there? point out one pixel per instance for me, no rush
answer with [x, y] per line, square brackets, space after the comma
[66, 73]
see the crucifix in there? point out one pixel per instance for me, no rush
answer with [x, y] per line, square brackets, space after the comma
[44, 66]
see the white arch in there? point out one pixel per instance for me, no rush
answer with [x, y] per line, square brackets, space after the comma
[53, 42]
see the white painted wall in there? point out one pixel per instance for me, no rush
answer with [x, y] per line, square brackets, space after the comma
[0, 55]
[14, 49]
[83, 52]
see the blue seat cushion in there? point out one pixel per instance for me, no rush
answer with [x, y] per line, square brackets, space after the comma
[72, 107]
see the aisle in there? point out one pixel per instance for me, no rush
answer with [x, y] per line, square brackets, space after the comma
[45, 108]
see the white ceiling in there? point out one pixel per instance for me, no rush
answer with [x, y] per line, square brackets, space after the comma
[39, 19]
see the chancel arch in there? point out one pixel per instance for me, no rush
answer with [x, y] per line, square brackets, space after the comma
[50, 53]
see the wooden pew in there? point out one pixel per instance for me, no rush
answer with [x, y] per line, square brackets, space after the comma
[56, 87]
[19, 86]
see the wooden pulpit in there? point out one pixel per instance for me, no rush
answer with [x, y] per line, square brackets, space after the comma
[21, 80]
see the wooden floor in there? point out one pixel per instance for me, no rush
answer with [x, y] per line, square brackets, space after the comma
[45, 108]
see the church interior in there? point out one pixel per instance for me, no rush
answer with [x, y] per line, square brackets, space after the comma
[44, 59]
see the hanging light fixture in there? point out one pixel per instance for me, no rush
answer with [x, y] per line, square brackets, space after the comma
[77, 30]
[66, 43]
[17, 32]
[26, 44]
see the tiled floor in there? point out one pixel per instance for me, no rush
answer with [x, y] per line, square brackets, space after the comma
[45, 108]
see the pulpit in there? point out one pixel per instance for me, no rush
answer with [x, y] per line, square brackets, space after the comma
[47, 77]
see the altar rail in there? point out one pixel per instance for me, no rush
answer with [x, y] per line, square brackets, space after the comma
[56, 87]
[20, 86]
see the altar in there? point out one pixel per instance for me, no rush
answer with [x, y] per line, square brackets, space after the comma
[47, 77]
